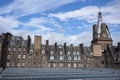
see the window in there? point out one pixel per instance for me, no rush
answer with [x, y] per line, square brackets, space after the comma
[74, 52]
[18, 38]
[31, 51]
[87, 65]
[61, 64]
[43, 51]
[79, 58]
[23, 42]
[61, 52]
[19, 56]
[9, 49]
[18, 64]
[61, 57]
[69, 58]
[68, 52]
[23, 64]
[8, 64]
[19, 49]
[13, 37]
[51, 52]
[12, 42]
[69, 65]
[8, 57]
[14, 49]
[77, 52]
[54, 65]
[75, 57]
[23, 56]
[51, 57]
[75, 65]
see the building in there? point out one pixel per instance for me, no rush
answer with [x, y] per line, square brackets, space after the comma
[101, 53]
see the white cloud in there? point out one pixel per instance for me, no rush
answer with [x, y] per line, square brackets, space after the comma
[89, 13]
[7, 24]
[60, 38]
[111, 15]
[38, 23]
[25, 7]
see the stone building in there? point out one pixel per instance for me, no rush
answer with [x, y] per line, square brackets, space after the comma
[101, 53]
[101, 39]
[111, 56]
[17, 52]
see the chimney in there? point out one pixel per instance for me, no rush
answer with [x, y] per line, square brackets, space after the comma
[55, 47]
[47, 45]
[71, 44]
[95, 35]
[28, 44]
[65, 48]
[81, 48]
[64, 44]
[119, 45]
[81, 45]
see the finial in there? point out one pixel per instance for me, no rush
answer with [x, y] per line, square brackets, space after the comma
[99, 9]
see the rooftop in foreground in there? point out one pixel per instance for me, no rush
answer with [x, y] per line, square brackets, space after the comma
[60, 74]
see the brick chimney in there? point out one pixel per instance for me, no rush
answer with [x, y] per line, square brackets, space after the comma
[55, 47]
[119, 45]
[47, 45]
[65, 49]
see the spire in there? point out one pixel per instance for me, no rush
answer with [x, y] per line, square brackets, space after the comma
[99, 22]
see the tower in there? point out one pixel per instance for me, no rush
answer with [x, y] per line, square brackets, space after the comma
[101, 38]
[37, 51]
[101, 34]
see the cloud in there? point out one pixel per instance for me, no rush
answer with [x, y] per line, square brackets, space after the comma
[49, 26]
[20, 8]
[110, 11]
[110, 14]
[37, 23]
[81, 14]
[60, 38]
[8, 25]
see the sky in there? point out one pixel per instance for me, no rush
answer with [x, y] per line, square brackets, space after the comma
[59, 21]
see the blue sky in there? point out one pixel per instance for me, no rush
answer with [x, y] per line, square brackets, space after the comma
[59, 20]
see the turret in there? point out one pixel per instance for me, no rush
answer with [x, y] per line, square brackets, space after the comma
[104, 34]
[95, 35]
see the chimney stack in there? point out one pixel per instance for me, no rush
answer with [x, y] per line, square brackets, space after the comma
[65, 48]
[71, 44]
[47, 45]
[55, 47]
[119, 45]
